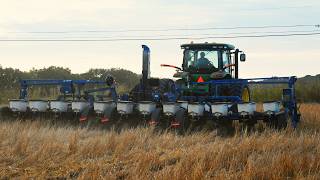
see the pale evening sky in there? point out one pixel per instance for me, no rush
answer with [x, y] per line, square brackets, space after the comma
[272, 56]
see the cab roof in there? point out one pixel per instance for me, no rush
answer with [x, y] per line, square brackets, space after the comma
[208, 46]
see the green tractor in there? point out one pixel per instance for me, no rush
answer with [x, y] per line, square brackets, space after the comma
[210, 61]
[205, 62]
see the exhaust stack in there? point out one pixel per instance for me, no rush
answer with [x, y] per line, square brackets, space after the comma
[145, 64]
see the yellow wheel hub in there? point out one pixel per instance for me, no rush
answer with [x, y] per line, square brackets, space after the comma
[245, 95]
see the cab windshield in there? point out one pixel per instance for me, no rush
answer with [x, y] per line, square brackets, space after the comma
[205, 61]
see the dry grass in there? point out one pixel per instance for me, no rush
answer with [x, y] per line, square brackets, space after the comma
[36, 149]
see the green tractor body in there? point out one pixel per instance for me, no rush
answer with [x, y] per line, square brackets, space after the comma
[205, 62]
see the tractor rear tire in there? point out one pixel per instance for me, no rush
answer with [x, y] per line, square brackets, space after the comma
[242, 92]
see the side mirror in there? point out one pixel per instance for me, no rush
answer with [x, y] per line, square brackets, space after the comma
[242, 57]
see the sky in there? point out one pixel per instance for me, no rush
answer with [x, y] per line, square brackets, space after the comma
[72, 19]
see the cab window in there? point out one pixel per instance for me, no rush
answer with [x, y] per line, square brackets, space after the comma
[195, 60]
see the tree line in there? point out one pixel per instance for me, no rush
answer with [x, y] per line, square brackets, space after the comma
[307, 90]
[10, 79]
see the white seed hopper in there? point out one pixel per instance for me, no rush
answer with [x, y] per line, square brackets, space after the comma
[79, 106]
[125, 107]
[170, 108]
[38, 105]
[18, 105]
[271, 107]
[146, 107]
[58, 106]
[195, 109]
[102, 106]
[220, 109]
[247, 108]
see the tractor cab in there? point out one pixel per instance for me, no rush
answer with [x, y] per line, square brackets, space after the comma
[211, 60]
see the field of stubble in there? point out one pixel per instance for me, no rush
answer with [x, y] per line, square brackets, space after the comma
[35, 149]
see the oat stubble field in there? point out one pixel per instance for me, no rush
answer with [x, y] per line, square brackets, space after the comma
[35, 149]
